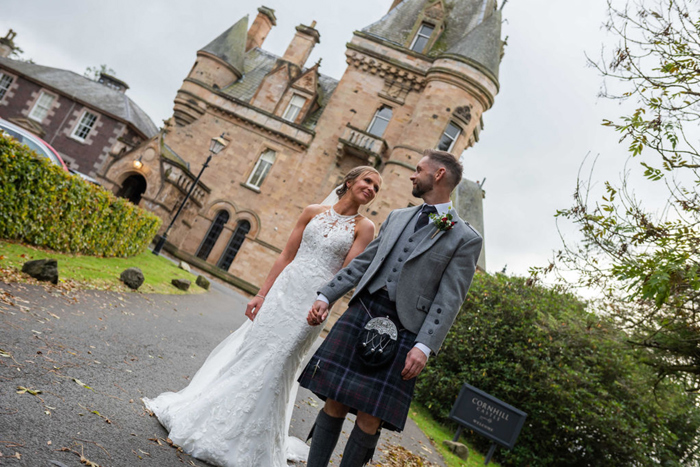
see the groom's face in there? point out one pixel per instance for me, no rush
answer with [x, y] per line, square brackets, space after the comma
[423, 178]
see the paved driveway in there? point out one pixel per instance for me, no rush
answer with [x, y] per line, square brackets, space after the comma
[93, 355]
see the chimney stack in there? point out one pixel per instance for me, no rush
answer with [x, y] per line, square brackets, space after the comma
[303, 43]
[260, 28]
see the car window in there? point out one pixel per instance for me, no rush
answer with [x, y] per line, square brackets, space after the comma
[12, 133]
[33, 145]
[39, 150]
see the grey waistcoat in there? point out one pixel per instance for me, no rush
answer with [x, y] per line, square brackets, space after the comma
[388, 275]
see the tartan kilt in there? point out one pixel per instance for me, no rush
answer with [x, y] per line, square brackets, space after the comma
[336, 373]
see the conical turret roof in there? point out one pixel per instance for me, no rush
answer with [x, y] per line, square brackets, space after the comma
[465, 21]
[482, 44]
[230, 45]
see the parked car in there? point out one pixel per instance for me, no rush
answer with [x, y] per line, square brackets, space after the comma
[85, 177]
[35, 143]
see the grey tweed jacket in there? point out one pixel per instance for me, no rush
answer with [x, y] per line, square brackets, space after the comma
[433, 282]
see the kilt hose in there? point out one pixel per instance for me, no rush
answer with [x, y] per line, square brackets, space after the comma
[335, 372]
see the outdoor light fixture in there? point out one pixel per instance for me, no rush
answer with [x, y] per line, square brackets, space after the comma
[138, 164]
[217, 144]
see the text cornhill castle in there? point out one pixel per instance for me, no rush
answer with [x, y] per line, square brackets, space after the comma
[420, 77]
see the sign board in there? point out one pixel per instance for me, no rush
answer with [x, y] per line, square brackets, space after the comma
[488, 416]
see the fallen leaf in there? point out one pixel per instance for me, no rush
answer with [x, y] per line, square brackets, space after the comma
[23, 390]
[82, 384]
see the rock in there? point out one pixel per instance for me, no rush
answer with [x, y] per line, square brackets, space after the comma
[132, 277]
[184, 266]
[42, 269]
[459, 449]
[203, 282]
[182, 284]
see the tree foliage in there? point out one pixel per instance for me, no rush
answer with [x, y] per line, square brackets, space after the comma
[645, 261]
[589, 398]
[94, 72]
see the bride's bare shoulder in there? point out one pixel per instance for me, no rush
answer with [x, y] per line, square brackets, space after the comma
[313, 210]
[364, 225]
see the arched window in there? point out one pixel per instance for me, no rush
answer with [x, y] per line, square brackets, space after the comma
[261, 169]
[449, 137]
[217, 226]
[234, 244]
[380, 121]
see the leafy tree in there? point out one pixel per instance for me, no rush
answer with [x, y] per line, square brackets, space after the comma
[590, 400]
[94, 72]
[644, 262]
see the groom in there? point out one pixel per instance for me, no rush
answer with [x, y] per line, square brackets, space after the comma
[417, 275]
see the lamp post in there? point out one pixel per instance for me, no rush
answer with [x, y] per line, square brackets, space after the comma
[217, 144]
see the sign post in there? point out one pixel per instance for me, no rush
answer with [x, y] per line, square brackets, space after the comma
[488, 416]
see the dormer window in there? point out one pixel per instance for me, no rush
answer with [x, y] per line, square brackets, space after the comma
[447, 141]
[294, 108]
[380, 121]
[422, 37]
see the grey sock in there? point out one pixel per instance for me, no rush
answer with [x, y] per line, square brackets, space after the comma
[360, 448]
[324, 436]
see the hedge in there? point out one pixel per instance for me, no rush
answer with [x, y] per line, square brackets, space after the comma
[590, 399]
[43, 205]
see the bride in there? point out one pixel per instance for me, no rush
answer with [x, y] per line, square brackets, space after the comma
[236, 410]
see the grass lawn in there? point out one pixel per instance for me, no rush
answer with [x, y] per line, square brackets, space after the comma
[99, 273]
[438, 433]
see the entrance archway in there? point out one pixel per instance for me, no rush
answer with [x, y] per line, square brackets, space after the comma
[132, 188]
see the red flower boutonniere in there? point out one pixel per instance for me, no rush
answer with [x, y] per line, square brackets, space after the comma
[443, 222]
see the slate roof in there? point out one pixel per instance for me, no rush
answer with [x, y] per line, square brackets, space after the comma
[90, 92]
[258, 63]
[230, 45]
[464, 17]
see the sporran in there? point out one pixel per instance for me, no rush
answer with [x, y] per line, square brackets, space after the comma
[378, 341]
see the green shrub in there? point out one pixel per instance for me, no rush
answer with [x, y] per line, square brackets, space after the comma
[590, 399]
[43, 205]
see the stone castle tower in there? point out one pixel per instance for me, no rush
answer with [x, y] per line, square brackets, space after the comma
[420, 77]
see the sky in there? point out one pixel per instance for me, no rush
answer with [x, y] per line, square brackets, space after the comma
[545, 122]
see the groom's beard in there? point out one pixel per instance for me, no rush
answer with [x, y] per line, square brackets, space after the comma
[420, 189]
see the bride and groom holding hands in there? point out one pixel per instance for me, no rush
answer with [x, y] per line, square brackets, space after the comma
[409, 281]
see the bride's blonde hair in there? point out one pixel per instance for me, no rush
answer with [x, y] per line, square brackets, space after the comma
[354, 174]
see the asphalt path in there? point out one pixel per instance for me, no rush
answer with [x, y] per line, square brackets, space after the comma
[75, 365]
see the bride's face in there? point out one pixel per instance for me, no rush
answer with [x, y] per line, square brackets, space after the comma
[365, 187]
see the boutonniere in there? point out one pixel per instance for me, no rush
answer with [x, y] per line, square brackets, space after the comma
[443, 222]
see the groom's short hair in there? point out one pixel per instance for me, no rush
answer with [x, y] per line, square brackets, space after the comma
[452, 166]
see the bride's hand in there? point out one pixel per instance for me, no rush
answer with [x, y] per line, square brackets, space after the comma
[251, 310]
[318, 313]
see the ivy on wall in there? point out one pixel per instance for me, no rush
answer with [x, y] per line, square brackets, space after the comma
[43, 205]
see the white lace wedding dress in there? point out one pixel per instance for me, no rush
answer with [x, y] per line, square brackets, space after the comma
[236, 410]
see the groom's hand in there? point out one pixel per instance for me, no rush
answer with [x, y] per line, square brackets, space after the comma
[415, 362]
[318, 313]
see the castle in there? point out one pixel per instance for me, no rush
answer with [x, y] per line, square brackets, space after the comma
[420, 77]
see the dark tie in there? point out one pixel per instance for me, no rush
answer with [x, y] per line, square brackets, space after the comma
[424, 216]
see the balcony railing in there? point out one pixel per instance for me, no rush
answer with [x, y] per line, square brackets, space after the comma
[359, 143]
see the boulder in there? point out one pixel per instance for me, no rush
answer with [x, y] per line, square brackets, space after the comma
[203, 282]
[184, 266]
[42, 269]
[132, 277]
[459, 449]
[182, 284]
